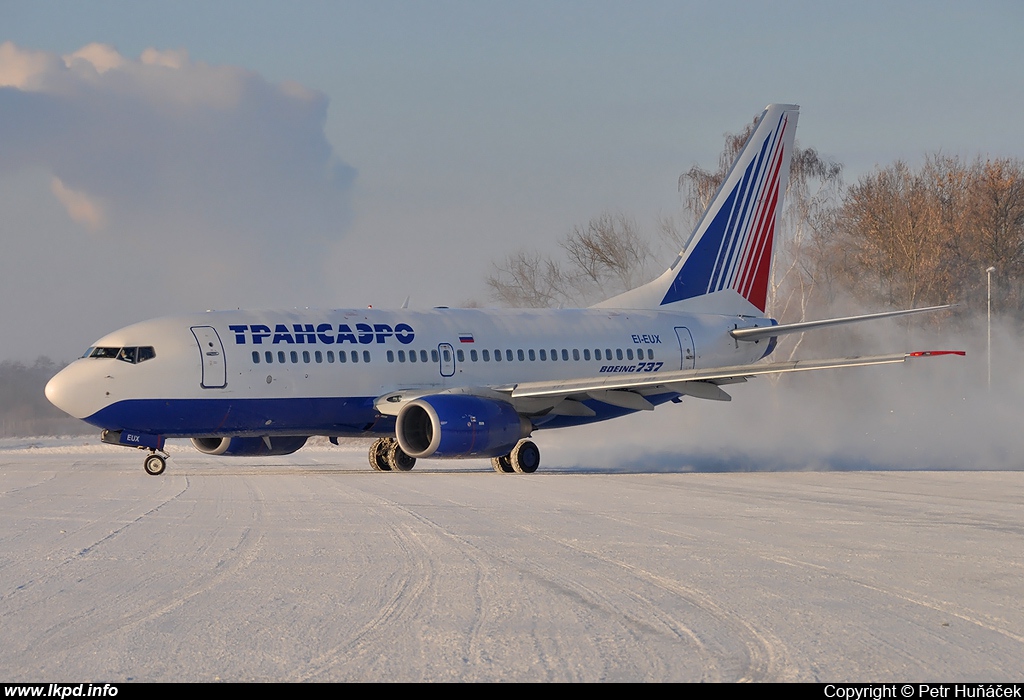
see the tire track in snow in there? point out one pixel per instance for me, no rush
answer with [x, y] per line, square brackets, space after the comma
[602, 598]
[398, 604]
[93, 625]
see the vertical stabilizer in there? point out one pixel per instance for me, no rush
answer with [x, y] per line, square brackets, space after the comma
[726, 265]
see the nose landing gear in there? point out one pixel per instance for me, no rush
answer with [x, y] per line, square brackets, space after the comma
[155, 464]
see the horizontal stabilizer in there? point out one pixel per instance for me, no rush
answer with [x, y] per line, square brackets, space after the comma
[759, 333]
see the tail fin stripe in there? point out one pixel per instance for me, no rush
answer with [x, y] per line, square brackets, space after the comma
[749, 222]
[739, 205]
[764, 236]
[757, 284]
[733, 239]
[755, 241]
[763, 227]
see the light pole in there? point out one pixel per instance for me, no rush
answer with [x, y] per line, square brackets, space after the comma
[989, 272]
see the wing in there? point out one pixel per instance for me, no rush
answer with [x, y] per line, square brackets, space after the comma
[566, 397]
[717, 375]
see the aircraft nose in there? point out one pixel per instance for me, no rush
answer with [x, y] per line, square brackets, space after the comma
[67, 391]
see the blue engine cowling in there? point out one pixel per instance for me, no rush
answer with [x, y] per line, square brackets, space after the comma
[248, 446]
[457, 425]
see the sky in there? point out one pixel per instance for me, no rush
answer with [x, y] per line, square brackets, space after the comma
[158, 158]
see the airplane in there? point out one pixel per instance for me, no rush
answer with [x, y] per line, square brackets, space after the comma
[463, 383]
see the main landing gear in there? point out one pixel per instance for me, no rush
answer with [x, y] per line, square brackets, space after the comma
[387, 456]
[523, 459]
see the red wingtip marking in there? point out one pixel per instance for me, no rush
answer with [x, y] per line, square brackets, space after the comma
[933, 353]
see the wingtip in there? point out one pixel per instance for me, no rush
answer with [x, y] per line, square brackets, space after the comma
[935, 353]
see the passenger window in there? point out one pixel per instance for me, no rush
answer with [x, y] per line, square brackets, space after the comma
[255, 357]
[423, 355]
[412, 355]
[294, 356]
[521, 355]
[543, 356]
[629, 353]
[565, 355]
[460, 355]
[319, 357]
[305, 356]
[618, 353]
[391, 355]
[280, 356]
[487, 356]
[576, 354]
[342, 357]
[330, 357]
[401, 356]
[355, 356]
[497, 355]
[650, 353]
[508, 354]
[554, 355]
[433, 356]
[366, 355]
[473, 356]
[269, 357]
[533, 355]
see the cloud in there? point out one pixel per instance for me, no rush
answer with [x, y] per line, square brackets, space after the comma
[220, 183]
[80, 206]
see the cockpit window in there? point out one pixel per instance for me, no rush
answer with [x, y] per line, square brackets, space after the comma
[131, 355]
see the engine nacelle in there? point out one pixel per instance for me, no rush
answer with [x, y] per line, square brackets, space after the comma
[248, 446]
[457, 425]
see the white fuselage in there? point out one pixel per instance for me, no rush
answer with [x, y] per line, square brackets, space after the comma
[309, 372]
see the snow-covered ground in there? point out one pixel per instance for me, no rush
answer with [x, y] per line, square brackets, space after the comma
[312, 567]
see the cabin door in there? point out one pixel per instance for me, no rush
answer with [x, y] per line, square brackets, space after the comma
[686, 353]
[211, 351]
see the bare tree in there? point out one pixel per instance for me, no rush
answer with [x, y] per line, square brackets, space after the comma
[528, 280]
[925, 236]
[603, 258]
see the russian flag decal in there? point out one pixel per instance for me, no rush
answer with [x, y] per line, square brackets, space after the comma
[465, 337]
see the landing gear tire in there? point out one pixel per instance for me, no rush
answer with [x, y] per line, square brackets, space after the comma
[525, 457]
[154, 465]
[379, 454]
[398, 459]
[502, 465]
